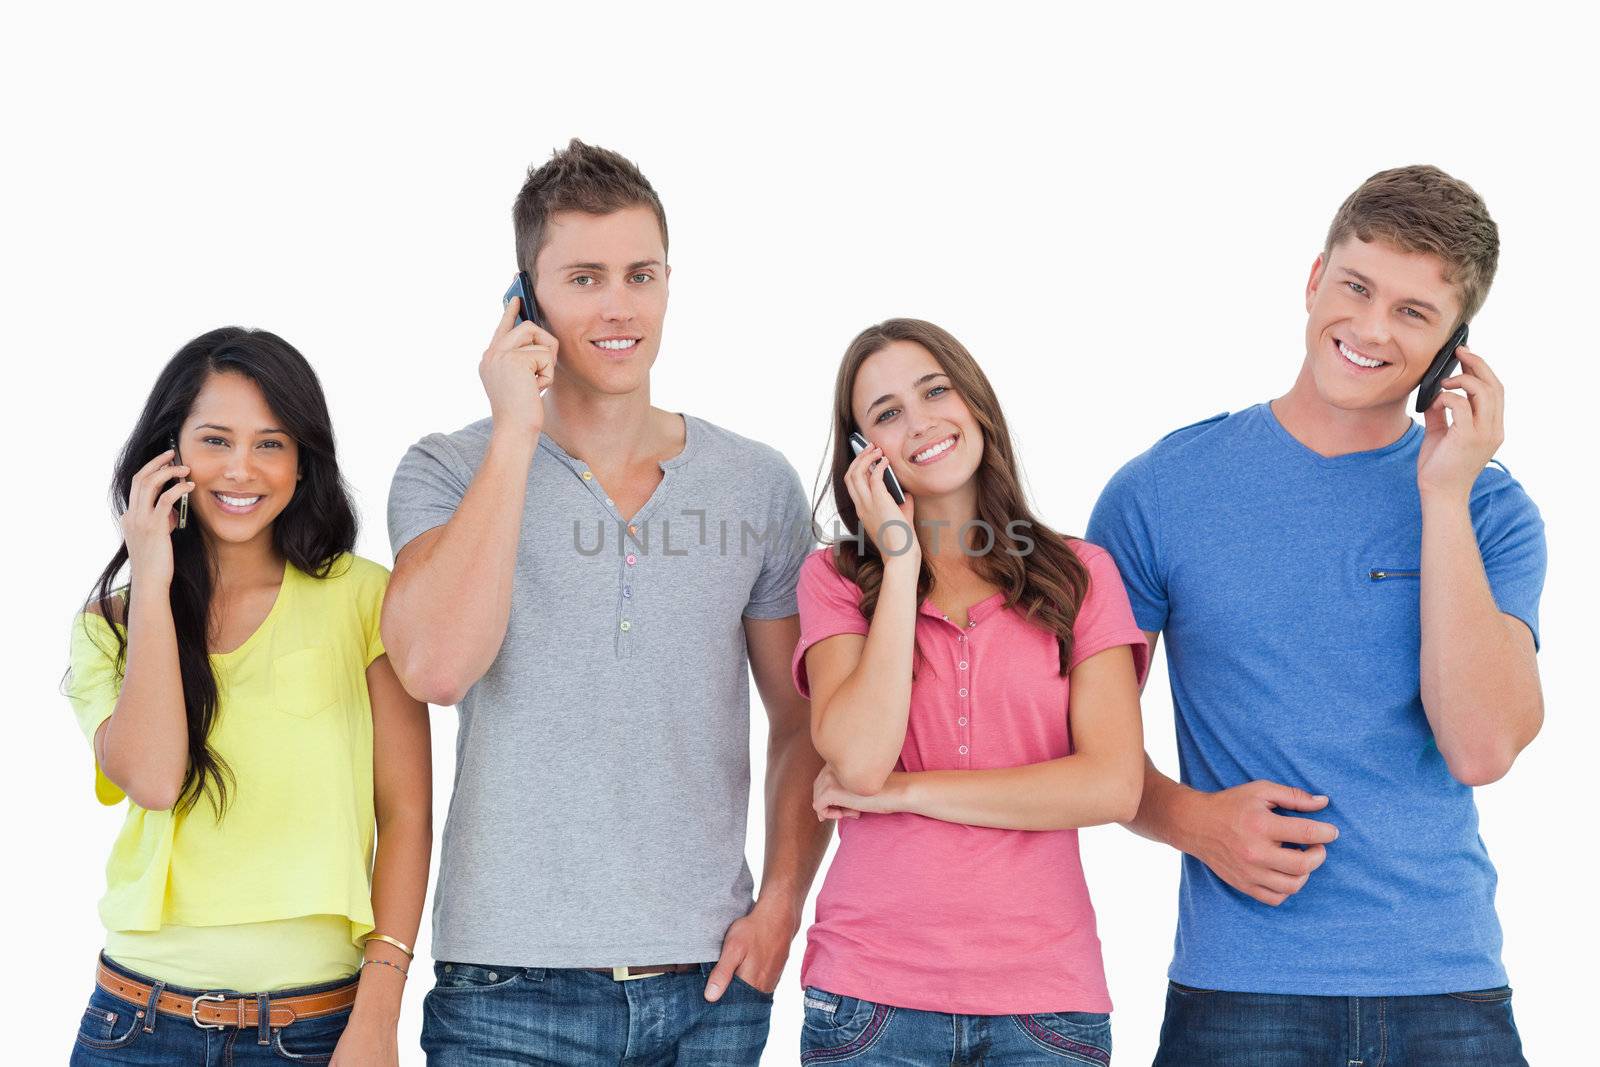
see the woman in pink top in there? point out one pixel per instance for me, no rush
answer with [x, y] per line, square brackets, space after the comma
[974, 690]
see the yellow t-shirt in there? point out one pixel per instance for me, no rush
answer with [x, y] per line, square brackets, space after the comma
[294, 724]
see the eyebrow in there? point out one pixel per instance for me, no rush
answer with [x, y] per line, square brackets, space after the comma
[919, 381]
[1370, 284]
[601, 266]
[229, 429]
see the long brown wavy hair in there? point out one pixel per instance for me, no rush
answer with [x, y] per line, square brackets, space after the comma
[1046, 580]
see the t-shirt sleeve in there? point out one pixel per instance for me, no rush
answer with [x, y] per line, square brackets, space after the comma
[371, 584]
[1510, 535]
[830, 604]
[1105, 618]
[787, 539]
[92, 685]
[427, 488]
[1126, 522]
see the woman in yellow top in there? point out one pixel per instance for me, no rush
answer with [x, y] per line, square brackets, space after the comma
[236, 691]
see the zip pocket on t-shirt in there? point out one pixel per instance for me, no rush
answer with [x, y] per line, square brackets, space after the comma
[1389, 574]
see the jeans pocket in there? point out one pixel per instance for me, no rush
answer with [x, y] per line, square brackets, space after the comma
[1498, 995]
[839, 1028]
[1188, 990]
[757, 990]
[471, 977]
[310, 1040]
[1078, 1036]
[109, 1022]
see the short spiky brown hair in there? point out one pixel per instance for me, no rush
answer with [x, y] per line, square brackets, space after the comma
[583, 178]
[1422, 209]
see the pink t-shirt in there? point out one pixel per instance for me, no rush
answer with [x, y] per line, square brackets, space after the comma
[947, 917]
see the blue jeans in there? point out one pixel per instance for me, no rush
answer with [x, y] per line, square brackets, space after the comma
[1207, 1027]
[493, 1016]
[849, 1030]
[119, 1033]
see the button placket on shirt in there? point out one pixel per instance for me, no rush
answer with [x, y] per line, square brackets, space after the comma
[963, 693]
[629, 562]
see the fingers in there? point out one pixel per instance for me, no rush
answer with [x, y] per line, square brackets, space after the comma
[1460, 408]
[1477, 366]
[1303, 831]
[146, 488]
[1486, 398]
[1288, 796]
[166, 501]
[1295, 862]
[508, 317]
[733, 954]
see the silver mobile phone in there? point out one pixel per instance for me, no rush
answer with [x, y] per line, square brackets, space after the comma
[183, 501]
[858, 445]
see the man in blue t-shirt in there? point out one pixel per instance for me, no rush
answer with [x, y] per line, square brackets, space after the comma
[1351, 607]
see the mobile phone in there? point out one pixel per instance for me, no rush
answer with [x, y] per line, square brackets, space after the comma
[183, 501]
[858, 445]
[522, 286]
[1443, 365]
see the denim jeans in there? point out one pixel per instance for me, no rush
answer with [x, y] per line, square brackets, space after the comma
[841, 1029]
[1207, 1027]
[121, 1033]
[483, 1015]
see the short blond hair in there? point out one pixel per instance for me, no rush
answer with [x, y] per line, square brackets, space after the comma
[1422, 209]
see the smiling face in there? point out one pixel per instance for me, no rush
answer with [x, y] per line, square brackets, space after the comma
[243, 464]
[906, 404]
[601, 285]
[1377, 316]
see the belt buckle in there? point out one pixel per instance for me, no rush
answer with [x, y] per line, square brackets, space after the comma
[620, 974]
[194, 1010]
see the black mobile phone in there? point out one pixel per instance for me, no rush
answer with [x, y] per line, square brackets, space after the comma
[858, 445]
[522, 286]
[183, 501]
[1443, 365]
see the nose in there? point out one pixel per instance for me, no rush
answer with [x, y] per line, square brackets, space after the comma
[618, 303]
[240, 466]
[1373, 326]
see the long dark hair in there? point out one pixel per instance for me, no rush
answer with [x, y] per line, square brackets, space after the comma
[1046, 579]
[316, 527]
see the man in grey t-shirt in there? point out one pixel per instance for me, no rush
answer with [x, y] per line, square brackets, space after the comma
[589, 578]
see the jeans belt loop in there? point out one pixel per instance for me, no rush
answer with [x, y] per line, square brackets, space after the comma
[263, 1018]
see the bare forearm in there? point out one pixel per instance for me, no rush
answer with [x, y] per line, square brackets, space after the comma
[1059, 794]
[447, 606]
[144, 746]
[1160, 815]
[796, 840]
[1480, 683]
[399, 884]
[863, 726]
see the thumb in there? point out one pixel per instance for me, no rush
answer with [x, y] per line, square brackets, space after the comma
[1433, 419]
[1287, 796]
[722, 973]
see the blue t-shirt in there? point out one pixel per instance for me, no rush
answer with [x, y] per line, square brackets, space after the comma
[1286, 586]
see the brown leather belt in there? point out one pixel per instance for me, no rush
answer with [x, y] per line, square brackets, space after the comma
[628, 974]
[213, 1011]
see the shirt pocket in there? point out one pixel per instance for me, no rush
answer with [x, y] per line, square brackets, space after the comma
[303, 684]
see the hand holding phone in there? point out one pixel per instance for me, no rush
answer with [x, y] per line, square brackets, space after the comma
[522, 289]
[519, 363]
[858, 445]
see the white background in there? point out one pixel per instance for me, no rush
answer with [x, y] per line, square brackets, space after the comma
[1115, 213]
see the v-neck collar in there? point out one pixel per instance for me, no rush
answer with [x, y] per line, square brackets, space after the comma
[691, 439]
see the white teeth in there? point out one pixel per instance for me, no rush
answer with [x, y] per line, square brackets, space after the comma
[617, 346]
[237, 501]
[929, 453]
[1357, 359]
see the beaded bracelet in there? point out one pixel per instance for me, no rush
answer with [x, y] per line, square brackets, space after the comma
[403, 972]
